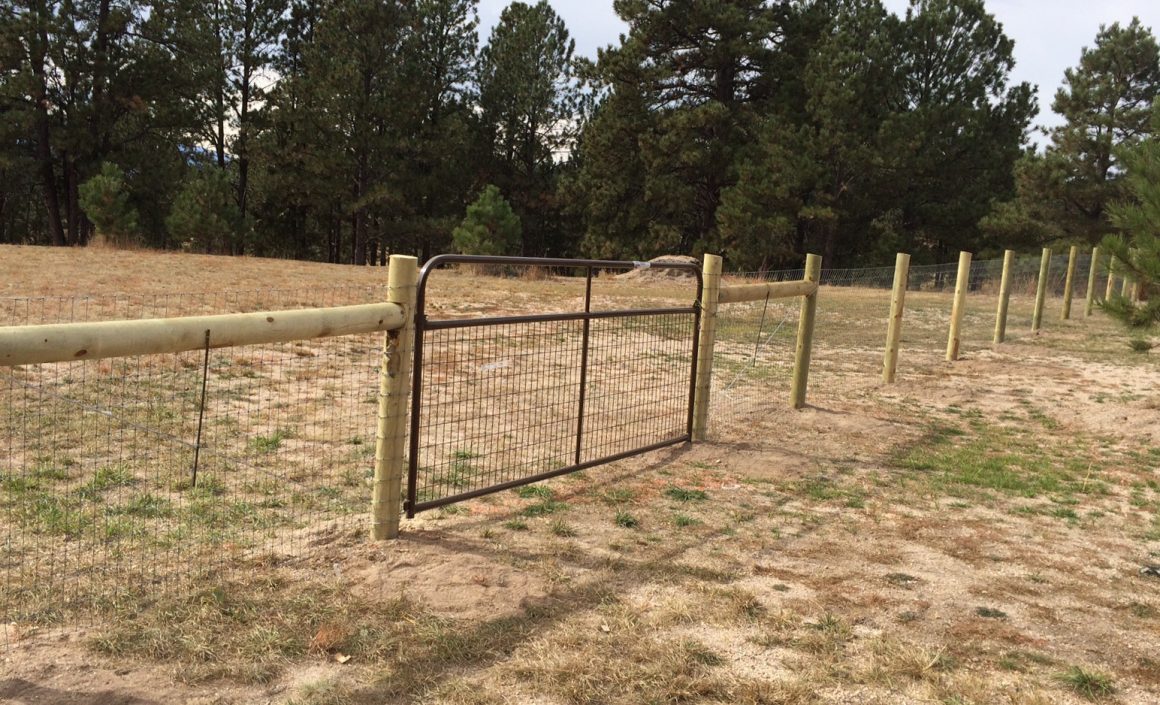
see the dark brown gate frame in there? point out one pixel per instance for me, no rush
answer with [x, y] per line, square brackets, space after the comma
[422, 324]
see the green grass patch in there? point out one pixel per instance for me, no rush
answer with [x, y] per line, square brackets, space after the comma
[997, 459]
[626, 521]
[544, 508]
[271, 443]
[146, 506]
[1092, 684]
[562, 529]
[686, 495]
[59, 516]
[619, 495]
[105, 479]
[533, 491]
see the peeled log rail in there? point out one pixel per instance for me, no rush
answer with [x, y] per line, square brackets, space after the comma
[758, 292]
[28, 345]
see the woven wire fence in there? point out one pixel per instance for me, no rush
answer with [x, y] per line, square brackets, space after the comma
[753, 361]
[99, 502]
[134, 477]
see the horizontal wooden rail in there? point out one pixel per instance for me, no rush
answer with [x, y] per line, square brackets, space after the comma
[772, 290]
[27, 345]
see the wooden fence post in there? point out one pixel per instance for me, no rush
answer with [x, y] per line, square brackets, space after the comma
[1111, 288]
[897, 305]
[710, 293]
[805, 339]
[1041, 290]
[394, 388]
[962, 283]
[1069, 283]
[1093, 271]
[1004, 297]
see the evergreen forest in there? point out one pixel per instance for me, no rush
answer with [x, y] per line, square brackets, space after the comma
[345, 130]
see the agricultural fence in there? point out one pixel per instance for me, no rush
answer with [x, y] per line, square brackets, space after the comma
[218, 432]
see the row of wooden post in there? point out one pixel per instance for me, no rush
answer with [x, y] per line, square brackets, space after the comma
[962, 284]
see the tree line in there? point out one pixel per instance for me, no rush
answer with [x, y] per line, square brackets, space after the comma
[342, 130]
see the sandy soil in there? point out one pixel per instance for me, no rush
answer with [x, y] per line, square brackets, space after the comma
[858, 573]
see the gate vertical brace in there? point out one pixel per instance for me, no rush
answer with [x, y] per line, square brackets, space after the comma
[416, 407]
[584, 365]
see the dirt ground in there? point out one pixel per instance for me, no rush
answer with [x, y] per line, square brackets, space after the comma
[978, 532]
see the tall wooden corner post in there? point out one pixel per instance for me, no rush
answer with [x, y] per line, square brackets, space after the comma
[394, 387]
[894, 327]
[710, 292]
[962, 283]
[805, 339]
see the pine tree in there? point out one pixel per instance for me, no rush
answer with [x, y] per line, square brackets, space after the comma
[205, 215]
[490, 226]
[1138, 216]
[528, 102]
[958, 128]
[1105, 102]
[438, 60]
[105, 200]
[686, 86]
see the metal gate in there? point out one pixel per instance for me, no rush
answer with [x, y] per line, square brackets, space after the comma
[503, 401]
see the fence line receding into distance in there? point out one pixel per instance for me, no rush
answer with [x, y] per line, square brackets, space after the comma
[99, 495]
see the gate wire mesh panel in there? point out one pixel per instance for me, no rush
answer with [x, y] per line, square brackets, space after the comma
[638, 383]
[501, 402]
[99, 507]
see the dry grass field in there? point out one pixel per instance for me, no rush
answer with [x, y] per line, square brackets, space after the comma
[973, 534]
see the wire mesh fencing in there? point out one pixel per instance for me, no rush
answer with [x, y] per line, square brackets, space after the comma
[583, 377]
[134, 477]
[128, 478]
[753, 355]
[753, 361]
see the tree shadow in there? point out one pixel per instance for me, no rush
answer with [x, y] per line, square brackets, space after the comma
[20, 691]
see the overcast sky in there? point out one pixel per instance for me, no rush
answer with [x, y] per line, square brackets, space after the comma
[1048, 34]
